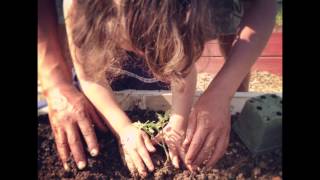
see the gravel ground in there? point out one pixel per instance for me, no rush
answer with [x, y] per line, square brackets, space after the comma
[260, 81]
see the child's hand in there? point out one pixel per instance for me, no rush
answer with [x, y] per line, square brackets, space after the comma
[173, 135]
[134, 147]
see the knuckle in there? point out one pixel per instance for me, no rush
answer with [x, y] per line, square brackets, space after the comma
[73, 139]
[195, 144]
[135, 148]
[141, 169]
[62, 153]
[201, 140]
[207, 128]
[171, 146]
[67, 118]
[60, 144]
[220, 129]
[82, 116]
[142, 151]
[55, 129]
[79, 109]
[88, 132]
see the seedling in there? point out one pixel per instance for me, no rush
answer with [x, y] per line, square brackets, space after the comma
[152, 128]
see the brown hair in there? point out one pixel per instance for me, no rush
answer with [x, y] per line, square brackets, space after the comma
[170, 33]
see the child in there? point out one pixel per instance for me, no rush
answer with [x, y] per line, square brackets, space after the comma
[169, 37]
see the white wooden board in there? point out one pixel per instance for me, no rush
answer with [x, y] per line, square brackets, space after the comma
[161, 100]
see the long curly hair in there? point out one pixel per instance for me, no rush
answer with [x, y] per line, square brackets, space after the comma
[170, 33]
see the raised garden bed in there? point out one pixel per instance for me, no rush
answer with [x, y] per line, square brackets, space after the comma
[161, 100]
[237, 163]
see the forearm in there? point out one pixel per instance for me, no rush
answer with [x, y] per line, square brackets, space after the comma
[257, 28]
[182, 98]
[105, 102]
[53, 69]
[99, 93]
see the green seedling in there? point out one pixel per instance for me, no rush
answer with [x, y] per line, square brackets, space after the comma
[153, 128]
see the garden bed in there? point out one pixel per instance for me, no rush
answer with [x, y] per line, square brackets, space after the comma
[237, 163]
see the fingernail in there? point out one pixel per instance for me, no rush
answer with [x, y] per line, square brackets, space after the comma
[94, 152]
[66, 167]
[81, 164]
[198, 168]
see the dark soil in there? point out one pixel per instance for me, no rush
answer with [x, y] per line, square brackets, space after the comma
[237, 163]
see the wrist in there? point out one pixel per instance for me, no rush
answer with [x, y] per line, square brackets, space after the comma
[59, 87]
[178, 121]
[218, 93]
[223, 86]
[123, 128]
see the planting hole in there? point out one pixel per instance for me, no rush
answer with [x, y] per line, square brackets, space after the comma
[274, 96]
[263, 97]
[279, 113]
[259, 107]
[251, 101]
[267, 119]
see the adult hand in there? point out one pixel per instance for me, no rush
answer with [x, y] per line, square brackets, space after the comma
[69, 112]
[207, 135]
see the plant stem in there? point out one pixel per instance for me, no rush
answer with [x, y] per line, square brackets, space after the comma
[165, 148]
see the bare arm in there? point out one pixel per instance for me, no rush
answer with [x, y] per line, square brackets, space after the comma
[135, 144]
[100, 94]
[175, 131]
[182, 98]
[257, 27]
[209, 123]
[53, 69]
[104, 100]
[69, 109]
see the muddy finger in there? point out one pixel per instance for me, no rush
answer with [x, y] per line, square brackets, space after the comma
[62, 147]
[76, 146]
[89, 136]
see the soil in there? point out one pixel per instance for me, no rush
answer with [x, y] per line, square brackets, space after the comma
[237, 162]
